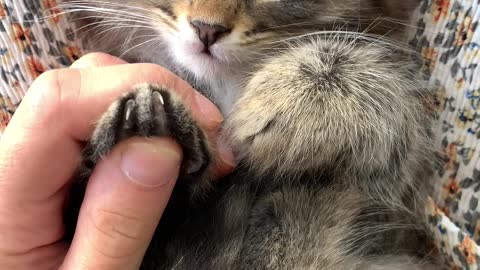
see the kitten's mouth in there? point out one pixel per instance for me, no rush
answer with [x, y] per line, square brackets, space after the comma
[207, 52]
[199, 50]
[202, 62]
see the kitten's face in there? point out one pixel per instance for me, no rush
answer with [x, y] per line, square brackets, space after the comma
[211, 38]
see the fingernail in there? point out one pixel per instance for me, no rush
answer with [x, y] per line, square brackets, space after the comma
[225, 153]
[208, 109]
[150, 164]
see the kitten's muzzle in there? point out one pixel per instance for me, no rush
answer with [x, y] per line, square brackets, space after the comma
[209, 33]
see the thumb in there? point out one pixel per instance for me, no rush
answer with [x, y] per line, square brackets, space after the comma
[124, 201]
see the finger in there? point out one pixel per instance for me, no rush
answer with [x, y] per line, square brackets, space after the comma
[60, 109]
[125, 77]
[225, 161]
[84, 94]
[41, 147]
[97, 60]
[125, 199]
[39, 258]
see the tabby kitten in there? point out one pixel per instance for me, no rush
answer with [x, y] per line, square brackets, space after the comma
[330, 125]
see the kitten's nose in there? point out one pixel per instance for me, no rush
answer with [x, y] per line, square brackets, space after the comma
[208, 33]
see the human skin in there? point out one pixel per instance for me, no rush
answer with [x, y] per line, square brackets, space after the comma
[126, 195]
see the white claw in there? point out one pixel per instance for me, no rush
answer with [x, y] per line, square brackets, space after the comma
[130, 106]
[159, 97]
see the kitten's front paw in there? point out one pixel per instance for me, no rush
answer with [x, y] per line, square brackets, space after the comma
[149, 111]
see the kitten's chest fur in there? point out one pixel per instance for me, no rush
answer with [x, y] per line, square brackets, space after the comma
[223, 91]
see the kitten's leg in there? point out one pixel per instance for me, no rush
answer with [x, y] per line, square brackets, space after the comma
[148, 111]
[340, 112]
[341, 106]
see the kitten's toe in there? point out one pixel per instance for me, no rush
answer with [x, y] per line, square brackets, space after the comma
[129, 107]
[160, 117]
[150, 111]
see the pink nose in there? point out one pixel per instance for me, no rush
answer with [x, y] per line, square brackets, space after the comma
[208, 33]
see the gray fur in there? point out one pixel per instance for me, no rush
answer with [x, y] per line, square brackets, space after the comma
[330, 123]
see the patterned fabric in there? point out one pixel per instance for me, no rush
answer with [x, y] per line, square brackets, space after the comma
[447, 39]
[35, 36]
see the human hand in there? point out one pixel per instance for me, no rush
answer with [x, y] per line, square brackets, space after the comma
[41, 148]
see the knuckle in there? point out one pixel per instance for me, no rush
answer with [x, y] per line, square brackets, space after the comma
[95, 59]
[48, 75]
[48, 82]
[53, 94]
[115, 227]
[45, 94]
[93, 55]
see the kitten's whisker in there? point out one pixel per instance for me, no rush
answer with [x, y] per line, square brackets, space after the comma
[111, 19]
[79, 8]
[109, 22]
[116, 27]
[116, 15]
[153, 18]
[138, 45]
[406, 24]
[380, 39]
[105, 3]
[101, 24]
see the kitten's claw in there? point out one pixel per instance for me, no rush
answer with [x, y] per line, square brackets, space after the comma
[151, 111]
[158, 97]
[193, 166]
[158, 108]
[130, 106]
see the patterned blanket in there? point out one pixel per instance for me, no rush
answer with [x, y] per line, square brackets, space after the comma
[35, 36]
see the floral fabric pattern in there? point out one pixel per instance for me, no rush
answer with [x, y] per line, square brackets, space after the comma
[449, 42]
[35, 36]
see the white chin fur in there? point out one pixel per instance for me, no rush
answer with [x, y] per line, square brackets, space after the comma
[201, 65]
[186, 51]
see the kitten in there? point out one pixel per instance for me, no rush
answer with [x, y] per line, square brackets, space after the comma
[329, 121]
